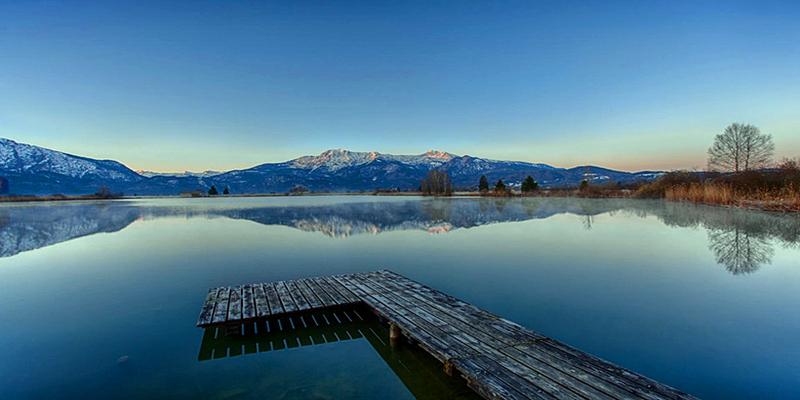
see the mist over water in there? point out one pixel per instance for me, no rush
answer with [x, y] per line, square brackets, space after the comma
[102, 297]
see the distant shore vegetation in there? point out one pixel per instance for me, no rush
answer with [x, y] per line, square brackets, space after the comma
[740, 173]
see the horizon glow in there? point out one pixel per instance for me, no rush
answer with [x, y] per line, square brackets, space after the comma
[217, 86]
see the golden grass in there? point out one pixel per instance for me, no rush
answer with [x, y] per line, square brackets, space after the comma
[783, 199]
[702, 193]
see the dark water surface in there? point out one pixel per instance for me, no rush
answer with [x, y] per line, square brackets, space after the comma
[100, 299]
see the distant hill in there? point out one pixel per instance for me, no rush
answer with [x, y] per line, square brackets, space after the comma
[150, 174]
[29, 169]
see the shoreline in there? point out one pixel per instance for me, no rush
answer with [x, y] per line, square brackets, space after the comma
[744, 204]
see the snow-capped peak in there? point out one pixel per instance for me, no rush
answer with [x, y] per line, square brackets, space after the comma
[443, 155]
[336, 159]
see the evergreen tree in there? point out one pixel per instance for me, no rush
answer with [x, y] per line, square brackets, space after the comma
[483, 184]
[298, 189]
[226, 190]
[104, 193]
[529, 185]
[213, 191]
[584, 185]
[4, 185]
[500, 186]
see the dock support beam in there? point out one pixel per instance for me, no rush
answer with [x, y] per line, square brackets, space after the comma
[394, 334]
[233, 330]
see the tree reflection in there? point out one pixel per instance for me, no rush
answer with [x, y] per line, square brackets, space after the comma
[739, 251]
[588, 220]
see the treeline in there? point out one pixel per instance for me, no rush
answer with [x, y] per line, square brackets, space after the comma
[212, 191]
[438, 183]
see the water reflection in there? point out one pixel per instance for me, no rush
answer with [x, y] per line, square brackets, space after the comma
[739, 251]
[422, 375]
[742, 241]
[24, 228]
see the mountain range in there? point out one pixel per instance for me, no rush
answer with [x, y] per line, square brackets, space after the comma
[29, 169]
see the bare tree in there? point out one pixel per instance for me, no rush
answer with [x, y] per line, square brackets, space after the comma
[741, 147]
[437, 183]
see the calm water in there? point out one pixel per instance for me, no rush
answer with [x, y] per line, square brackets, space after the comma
[101, 298]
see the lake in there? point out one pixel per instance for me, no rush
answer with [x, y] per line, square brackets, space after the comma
[101, 298]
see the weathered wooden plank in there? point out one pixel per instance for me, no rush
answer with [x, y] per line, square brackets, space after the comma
[644, 387]
[539, 374]
[493, 382]
[559, 382]
[560, 371]
[235, 304]
[262, 304]
[533, 355]
[504, 370]
[323, 296]
[442, 346]
[330, 290]
[344, 280]
[275, 306]
[507, 330]
[221, 310]
[297, 295]
[437, 348]
[617, 385]
[564, 373]
[347, 295]
[286, 297]
[248, 302]
[207, 312]
[310, 296]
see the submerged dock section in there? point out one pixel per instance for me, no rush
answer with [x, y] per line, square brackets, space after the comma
[498, 358]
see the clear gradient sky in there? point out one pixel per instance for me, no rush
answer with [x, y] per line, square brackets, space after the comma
[223, 84]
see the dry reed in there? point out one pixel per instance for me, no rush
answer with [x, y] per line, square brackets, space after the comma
[783, 199]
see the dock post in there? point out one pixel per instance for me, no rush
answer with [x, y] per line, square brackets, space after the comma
[394, 334]
[448, 368]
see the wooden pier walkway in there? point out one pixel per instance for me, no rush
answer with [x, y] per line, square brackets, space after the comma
[498, 358]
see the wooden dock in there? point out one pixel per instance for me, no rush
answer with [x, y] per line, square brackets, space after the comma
[498, 358]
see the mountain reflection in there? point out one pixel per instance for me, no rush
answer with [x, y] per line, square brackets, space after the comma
[741, 241]
[24, 228]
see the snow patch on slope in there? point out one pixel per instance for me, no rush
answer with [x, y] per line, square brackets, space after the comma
[25, 158]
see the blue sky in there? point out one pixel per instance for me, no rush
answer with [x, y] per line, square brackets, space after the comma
[221, 85]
